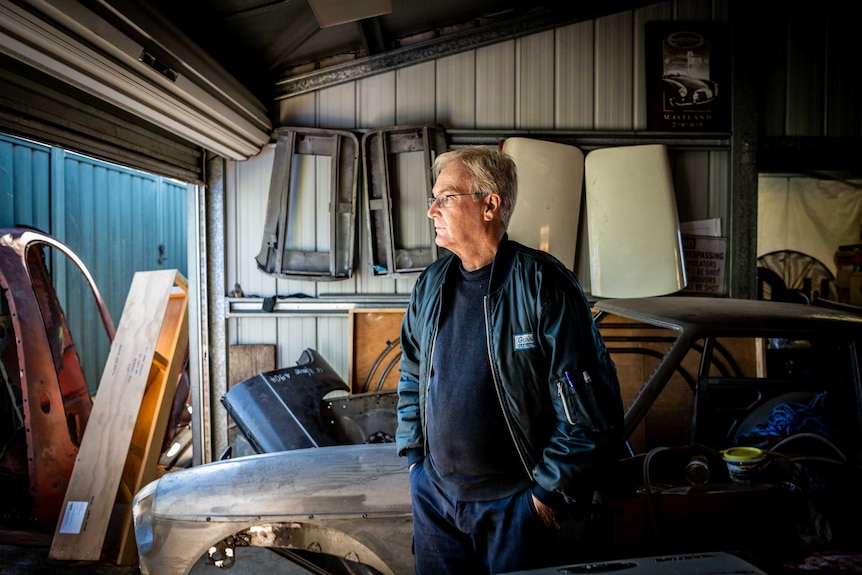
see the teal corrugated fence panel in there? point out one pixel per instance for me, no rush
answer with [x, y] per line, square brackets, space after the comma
[117, 220]
[24, 184]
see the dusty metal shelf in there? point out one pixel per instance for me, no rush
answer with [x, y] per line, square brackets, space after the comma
[323, 306]
[711, 141]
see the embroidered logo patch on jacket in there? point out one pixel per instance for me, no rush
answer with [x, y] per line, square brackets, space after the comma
[524, 341]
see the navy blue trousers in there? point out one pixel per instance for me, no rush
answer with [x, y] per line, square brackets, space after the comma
[476, 537]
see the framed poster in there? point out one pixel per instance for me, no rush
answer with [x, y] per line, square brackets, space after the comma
[688, 76]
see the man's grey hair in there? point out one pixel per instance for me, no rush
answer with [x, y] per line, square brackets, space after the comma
[489, 170]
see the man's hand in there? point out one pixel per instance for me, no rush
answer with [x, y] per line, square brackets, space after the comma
[545, 512]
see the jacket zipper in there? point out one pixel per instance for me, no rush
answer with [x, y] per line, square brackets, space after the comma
[427, 378]
[498, 388]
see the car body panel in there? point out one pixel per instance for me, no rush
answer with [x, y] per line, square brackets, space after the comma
[353, 500]
[358, 490]
[47, 392]
[696, 315]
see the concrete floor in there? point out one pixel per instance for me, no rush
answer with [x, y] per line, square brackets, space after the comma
[33, 560]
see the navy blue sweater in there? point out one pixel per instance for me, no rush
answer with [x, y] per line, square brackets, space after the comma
[471, 452]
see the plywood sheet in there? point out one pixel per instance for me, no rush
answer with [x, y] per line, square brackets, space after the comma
[151, 324]
[153, 415]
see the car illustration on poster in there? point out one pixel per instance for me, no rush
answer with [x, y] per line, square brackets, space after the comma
[682, 91]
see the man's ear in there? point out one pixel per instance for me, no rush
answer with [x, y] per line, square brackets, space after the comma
[492, 206]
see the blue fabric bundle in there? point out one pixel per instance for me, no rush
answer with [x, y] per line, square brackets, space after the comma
[790, 418]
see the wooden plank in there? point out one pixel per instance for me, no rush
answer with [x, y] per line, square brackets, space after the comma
[374, 349]
[152, 422]
[247, 360]
[244, 362]
[106, 442]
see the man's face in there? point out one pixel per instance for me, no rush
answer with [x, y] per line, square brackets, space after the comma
[457, 224]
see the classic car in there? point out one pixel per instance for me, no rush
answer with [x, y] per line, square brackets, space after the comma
[744, 435]
[683, 91]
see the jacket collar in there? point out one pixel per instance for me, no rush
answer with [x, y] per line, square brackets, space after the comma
[500, 267]
[502, 263]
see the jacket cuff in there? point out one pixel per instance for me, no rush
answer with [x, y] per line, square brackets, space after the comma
[414, 456]
[552, 499]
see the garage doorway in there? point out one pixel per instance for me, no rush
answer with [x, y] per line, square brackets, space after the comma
[803, 222]
[117, 220]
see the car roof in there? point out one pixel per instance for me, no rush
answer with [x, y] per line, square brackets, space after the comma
[697, 316]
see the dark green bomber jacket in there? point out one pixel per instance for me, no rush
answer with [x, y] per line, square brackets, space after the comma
[556, 382]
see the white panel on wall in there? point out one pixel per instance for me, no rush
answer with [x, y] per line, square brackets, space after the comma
[456, 91]
[332, 343]
[573, 86]
[336, 107]
[246, 210]
[414, 94]
[405, 286]
[495, 86]
[298, 111]
[535, 81]
[295, 335]
[376, 101]
[614, 72]
[653, 13]
[246, 205]
[255, 330]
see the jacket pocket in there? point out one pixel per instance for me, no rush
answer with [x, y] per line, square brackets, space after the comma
[585, 403]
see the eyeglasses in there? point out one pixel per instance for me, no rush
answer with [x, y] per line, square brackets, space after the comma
[443, 199]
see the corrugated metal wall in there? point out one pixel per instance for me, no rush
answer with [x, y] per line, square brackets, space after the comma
[114, 218]
[24, 183]
[587, 76]
[811, 71]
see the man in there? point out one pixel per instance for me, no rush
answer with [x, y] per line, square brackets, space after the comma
[509, 408]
